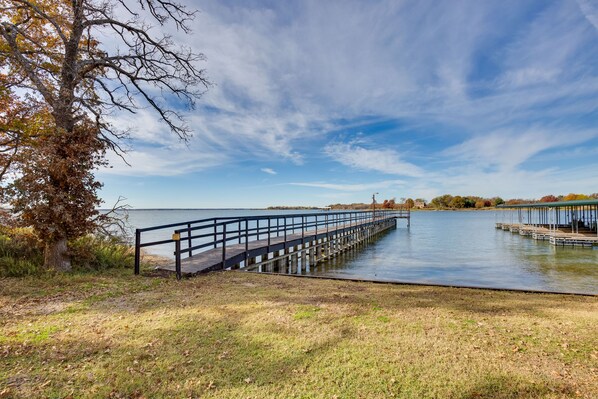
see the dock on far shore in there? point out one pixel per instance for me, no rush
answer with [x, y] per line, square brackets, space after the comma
[564, 223]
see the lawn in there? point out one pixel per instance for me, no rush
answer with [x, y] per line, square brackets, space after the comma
[242, 335]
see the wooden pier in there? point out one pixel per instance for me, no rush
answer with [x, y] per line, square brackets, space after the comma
[272, 243]
[569, 223]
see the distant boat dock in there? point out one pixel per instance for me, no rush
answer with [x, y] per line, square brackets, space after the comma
[285, 243]
[565, 223]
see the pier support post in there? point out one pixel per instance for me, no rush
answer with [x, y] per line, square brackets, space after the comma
[250, 262]
[294, 262]
[277, 262]
[303, 258]
[267, 266]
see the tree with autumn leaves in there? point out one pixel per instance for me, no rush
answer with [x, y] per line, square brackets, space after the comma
[59, 85]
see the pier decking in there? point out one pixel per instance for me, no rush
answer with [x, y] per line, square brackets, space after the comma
[568, 223]
[282, 243]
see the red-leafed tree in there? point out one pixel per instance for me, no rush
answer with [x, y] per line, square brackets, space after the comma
[389, 204]
[549, 198]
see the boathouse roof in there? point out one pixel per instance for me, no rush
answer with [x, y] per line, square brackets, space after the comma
[558, 204]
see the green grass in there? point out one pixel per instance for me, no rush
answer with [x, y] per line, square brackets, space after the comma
[306, 312]
[240, 335]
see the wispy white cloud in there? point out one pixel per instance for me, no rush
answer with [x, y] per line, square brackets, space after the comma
[590, 11]
[352, 187]
[161, 161]
[507, 149]
[379, 160]
[269, 171]
[529, 76]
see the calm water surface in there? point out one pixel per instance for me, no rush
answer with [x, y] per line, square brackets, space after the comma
[461, 248]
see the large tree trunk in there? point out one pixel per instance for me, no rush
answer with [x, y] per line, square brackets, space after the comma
[56, 256]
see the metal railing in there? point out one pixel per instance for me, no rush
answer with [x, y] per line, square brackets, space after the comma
[193, 237]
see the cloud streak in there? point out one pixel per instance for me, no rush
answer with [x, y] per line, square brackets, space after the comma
[379, 160]
[508, 149]
[351, 187]
[269, 171]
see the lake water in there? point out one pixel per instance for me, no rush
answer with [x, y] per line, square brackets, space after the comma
[455, 248]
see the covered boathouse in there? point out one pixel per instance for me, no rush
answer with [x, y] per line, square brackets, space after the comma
[571, 223]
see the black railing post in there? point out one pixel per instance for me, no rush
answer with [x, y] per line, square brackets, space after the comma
[302, 230]
[224, 245]
[137, 251]
[269, 233]
[246, 240]
[285, 232]
[239, 230]
[177, 253]
[215, 235]
[189, 239]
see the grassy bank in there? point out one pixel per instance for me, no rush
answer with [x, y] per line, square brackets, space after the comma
[238, 335]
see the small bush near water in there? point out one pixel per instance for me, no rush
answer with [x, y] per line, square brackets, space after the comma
[21, 253]
[100, 253]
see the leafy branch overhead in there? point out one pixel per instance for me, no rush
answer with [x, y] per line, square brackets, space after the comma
[52, 48]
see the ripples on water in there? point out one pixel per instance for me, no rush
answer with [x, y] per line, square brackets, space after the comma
[460, 248]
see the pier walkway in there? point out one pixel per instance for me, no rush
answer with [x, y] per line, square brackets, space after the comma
[286, 243]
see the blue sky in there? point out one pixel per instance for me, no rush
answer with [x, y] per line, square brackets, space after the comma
[323, 102]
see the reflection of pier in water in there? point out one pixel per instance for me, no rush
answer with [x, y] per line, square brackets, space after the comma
[275, 243]
[565, 223]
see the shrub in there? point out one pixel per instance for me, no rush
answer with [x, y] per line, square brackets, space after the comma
[100, 253]
[21, 253]
[15, 267]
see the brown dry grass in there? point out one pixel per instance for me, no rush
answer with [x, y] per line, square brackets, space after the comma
[240, 335]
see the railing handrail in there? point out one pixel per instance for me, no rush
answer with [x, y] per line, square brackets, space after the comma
[166, 226]
[263, 217]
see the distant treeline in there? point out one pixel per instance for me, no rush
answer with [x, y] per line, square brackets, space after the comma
[286, 208]
[354, 205]
[448, 201]
[386, 204]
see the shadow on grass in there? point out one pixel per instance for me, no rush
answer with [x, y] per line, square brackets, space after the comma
[507, 387]
[194, 355]
[483, 302]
